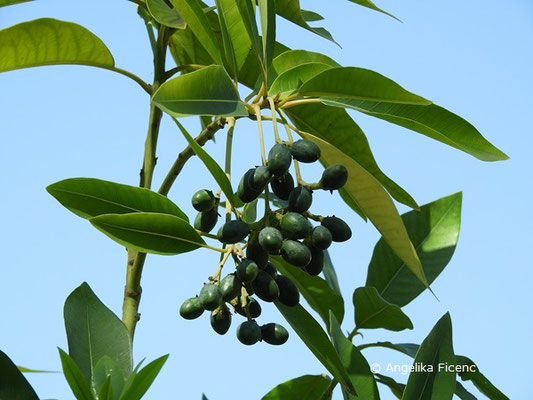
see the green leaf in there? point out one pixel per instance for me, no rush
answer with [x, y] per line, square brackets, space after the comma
[369, 4]
[193, 14]
[291, 11]
[436, 350]
[93, 331]
[291, 80]
[106, 392]
[432, 121]
[395, 387]
[149, 232]
[251, 70]
[434, 231]
[370, 196]
[293, 58]
[107, 369]
[34, 371]
[208, 91]
[307, 387]
[267, 14]
[49, 41]
[373, 312]
[314, 289]
[314, 337]
[330, 274]
[236, 28]
[249, 212]
[479, 380]
[4, 3]
[13, 385]
[230, 62]
[336, 126]
[88, 197]
[247, 12]
[140, 382]
[77, 382]
[355, 363]
[165, 15]
[185, 48]
[462, 393]
[218, 174]
[358, 83]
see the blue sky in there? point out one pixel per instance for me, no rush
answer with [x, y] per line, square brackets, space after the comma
[475, 58]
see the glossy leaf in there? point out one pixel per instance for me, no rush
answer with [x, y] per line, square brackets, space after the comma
[208, 91]
[372, 311]
[249, 212]
[371, 5]
[330, 274]
[435, 350]
[13, 385]
[291, 11]
[94, 331]
[149, 232]
[185, 48]
[307, 387]
[479, 380]
[240, 40]
[230, 62]
[355, 363]
[462, 393]
[77, 382]
[370, 196]
[34, 371]
[106, 391]
[140, 382]
[49, 41]
[89, 197]
[293, 58]
[434, 231]
[267, 15]
[291, 80]
[247, 12]
[335, 126]
[314, 289]
[395, 387]
[358, 83]
[251, 71]
[4, 3]
[165, 15]
[314, 337]
[107, 369]
[432, 121]
[195, 17]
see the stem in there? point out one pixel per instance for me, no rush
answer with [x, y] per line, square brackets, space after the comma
[260, 128]
[145, 86]
[288, 104]
[352, 334]
[184, 67]
[274, 120]
[291, 141]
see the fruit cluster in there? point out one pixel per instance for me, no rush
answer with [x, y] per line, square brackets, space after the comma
[287, 232]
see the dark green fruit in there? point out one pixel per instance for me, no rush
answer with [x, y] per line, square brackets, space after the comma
[265, 287]
[321, 237]
[274, 334]
[300, 199]
[316, 265]
[249, 333]
[230, 287]
[233, 232]
[260, 178]
[340, 231]
[221, 320]
[191, 308]
[305, 151]
[295, 226]
[334, 177]
[246, 193]
[249, 288]
[270, 239]
[279, 159]
[255, 251]
[296, 253]
[288, 292]
[210, 296]
[206, 221]
[203, 200]
[253, 307]
[282, 186]
[271, 270]
[247, 270]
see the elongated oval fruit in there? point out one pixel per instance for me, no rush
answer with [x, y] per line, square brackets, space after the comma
[270, 239]
[230, 287]
[288, 292]
[210, 296]
[247, 270]
[295, 226]
[279, 159]
[295, 253]
[249, 333]
[206, 221]
[255, 251]
[316, 265]
[253, 307]
[334, 177]
[321, 237]
[203, 200]
[245, 192]
[271, 270]
[265, 287]
[260, 178]
[340, 231]
[191, 308]
[274, 334]
[300, 199]
[220, 320]
[233, 232]
[305, 151]
[282, 186]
